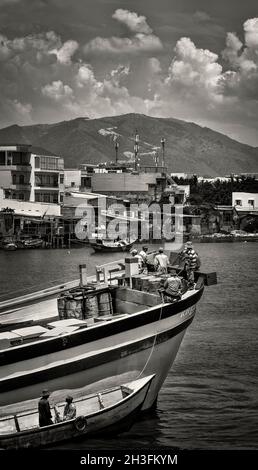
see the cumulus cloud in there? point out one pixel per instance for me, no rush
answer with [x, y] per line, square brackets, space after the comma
[57, 91]
[140, 43]
[143, 41]
[85, 76]
[34, 46]
[251, 33]
[66, 51]
[194, 68]
[133, 21]
[43, 76]
[241, 78]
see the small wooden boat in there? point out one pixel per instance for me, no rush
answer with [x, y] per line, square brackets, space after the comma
[111, 410]
[8, 244]
[33, 243]
[112, 247]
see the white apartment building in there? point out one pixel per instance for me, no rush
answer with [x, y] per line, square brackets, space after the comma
[32, 174]
[245, 201]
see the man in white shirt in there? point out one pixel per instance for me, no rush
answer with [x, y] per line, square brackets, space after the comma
[161, 262]
[135, 254]
[143, 253]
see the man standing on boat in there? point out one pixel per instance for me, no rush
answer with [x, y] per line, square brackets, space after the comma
[135, 254]
[161, 262]
[143, 254]
[45, 417]
[191, 262]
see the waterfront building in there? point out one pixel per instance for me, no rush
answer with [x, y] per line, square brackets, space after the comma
[19, 218]
[245, 202]
[32, 174]
[246, 206]
[145, 186]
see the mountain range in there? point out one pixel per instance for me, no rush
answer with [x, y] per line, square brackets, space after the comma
[189, 148]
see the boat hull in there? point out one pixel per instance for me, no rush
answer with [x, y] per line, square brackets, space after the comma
[112, 419]
[111, 249]
[120, 353]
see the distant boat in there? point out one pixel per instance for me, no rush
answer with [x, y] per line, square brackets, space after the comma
[110, 411]
[33, 243]
[109, 247]
[8, 244]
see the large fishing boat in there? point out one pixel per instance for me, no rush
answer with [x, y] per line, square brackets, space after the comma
[124, 331]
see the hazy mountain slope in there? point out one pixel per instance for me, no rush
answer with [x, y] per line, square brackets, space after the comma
[189, 147]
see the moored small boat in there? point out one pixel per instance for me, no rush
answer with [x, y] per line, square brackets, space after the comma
[112, 247]
[111, 411]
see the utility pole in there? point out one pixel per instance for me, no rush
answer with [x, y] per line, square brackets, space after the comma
[156, 158]
[163, 150]
[116, 149]
[136, 149]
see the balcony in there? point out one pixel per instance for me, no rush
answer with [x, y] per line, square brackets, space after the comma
[21, 186]
[46, 185]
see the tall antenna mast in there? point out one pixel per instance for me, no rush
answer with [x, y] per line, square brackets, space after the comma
[163, 151]
[116, 149]
[136, 149]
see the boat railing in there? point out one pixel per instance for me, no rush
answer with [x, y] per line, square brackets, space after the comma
[17, 422]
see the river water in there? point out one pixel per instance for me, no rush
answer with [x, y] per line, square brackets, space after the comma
[210, 397]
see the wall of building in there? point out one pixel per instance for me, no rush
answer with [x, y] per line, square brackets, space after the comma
[242, 201]
[72, 178]
[5, 178]
[186, 189]
[123, 182]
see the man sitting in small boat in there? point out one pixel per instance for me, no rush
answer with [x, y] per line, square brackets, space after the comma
[173, 286]
[161, 262]
[69, 409]
[45, 417]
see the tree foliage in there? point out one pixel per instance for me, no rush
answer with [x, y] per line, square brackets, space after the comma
[217, 192]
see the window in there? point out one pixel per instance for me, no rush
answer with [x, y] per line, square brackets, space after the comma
[238, 202]
[21, 179]
[2, 158]
[251, 202]
[72, 184]
[61, 179]
[9, 158]
[37, 162]
[14, 179]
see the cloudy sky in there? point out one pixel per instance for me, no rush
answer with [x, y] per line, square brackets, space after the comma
[195, 60]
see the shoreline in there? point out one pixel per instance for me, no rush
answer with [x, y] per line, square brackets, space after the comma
[225, 239]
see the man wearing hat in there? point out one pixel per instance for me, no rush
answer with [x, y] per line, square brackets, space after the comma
[69, 409]
[45, 417]
[190, 257]
[173, 286]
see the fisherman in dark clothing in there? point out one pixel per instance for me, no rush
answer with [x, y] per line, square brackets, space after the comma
[45, 417]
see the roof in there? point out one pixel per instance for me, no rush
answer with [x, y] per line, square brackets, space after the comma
[224, 208]
[42, 151]
[30, 148]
